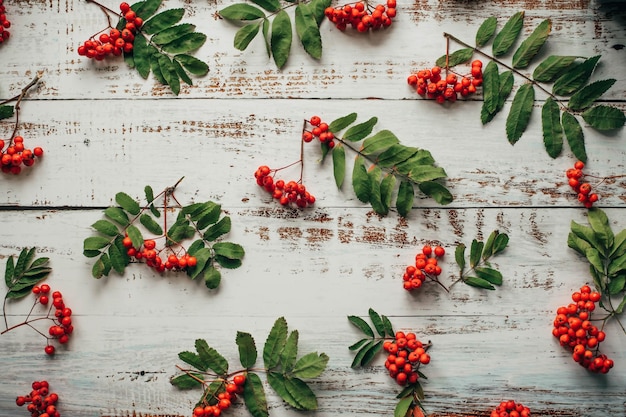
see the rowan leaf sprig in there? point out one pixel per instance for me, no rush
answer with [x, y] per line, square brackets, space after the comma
[120, 239]
[571, 95]
[285, 371]
[480, 273]
[272, 20]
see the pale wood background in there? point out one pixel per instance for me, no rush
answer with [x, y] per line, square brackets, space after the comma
[104, 130]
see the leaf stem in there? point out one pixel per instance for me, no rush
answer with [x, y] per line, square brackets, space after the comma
[19, 99]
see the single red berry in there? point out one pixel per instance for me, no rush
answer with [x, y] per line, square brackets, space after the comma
[49, 349]
[38, 151]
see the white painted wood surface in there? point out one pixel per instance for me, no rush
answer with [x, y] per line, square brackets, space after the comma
[104, 130]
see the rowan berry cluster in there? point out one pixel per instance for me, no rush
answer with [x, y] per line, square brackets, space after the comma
[573, 328]
[4, 23]
[150, 254]
[15, 155]
[214, 406]
[510, 409]
[361, 16]
[575, 177]
[41, 402]
[432, 84]
[62, 326]
[116, 41]
[405, 355]
[320, 131]
[425, 267]
[288, 193]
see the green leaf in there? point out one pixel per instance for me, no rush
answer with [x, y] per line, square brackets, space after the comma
[6, 111]
[18, 293]
[589, 236]
[179, 231]
[505, 39]
[595, 259]
[8, 272]
[551, 67]
[360, 131]
[186, 43]
[163, 20]
[127, 203]
[552, 129]
[599, 222]
[456, 58]
[619, 245]
[169, 73]
[387, 186]
[269, 5]
[375, 195]
[377, 321]
[211, 357]
[486, 30]
[500, 243]
[106, 228]
[254, 396]
[245, 34]
[228, 263]
[339, 164]
[489, 244]
[358, 344]
[402, 408]
[519, 115]
[379, 142]
[150, 224]
[574, 79]
[404, 200]
[145, 9]
[341, 123]
[247, 349]
[135, 236]
[491, 87]
[277, 382]
[476, 252]
[155, 67]
[616, 266]
[365, 356]
[187, 381]
[479, 283]
[91, 243]
[361, 180]
[169, 34]
[274, 344]
[489, 274]
[241, 11]
[361, 325]
[193, 359]
[290, 352]
[436, 191]
[318, 8]
[420, 173]
[212, 277]
[119, 260]
[203, 255]
[141, 56]
[531, 45]
[574, 134]
[506, 86]
[182, 74]
[280, 39]
[620, 307]
[585, 97]
[604, 117]
[192, 64]
[229, 250]
[578, 244]
[395, 155]
[218, 229]
[617, 284]
[308, 30]
[310, 365]
[301, 393]
[459, 256]
[98, 268]
[388, 325]
[266, 31]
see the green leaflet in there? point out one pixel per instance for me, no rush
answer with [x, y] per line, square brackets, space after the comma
[93, 243]
[459, 256]
[162, 21]
[506, 86]
[141, 56]
[574, 79]
[552, 129]
[479, 283]
[277, 382]
[181, 72]
[150, 224]
[585, 97]
[229, 250]
[491, 87]
[106, 228]
[599, 222]
[266, 31]
[436, 191]
[520, 112]
[192, 64]
[119, 259]
[310, 365]
[186, 43]
[127, 203]
[339, 164]
[486, 30]
[476, 252]
[193, 359]
[505, 39]
[551, 67]
[357, 132]
[455, 58]
[317, 8]
[245, 34]
[154, 66]
[394, 155]
[187, 381]
[254, 396]
[379, 142]
[211, 357]
[574, 135]
[280, 40]
[308, 30]
[241, 11]
[301, 393]
[377, 321]
[342, 122]
[361, 180]
[489, 274]
[403, 406]
[404, 200]
[145, 9]
[135, 236]
[361, 325]
[247, 349]
[169, 73]
[218, 229]
[421, 173]
[6, 111]
[290, 352]
[212, 277]
[269, 5]
[274, 343]
[387, 186]
[375, 195]
[172, 33]
[531, 45]
[604, 117]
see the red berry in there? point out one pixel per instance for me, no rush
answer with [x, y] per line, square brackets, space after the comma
[49, 349]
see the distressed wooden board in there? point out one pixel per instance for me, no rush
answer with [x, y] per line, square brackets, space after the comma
[376, 67]
[216, 145]
[486, 346]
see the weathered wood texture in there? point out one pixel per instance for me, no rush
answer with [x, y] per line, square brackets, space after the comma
[104, 130]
